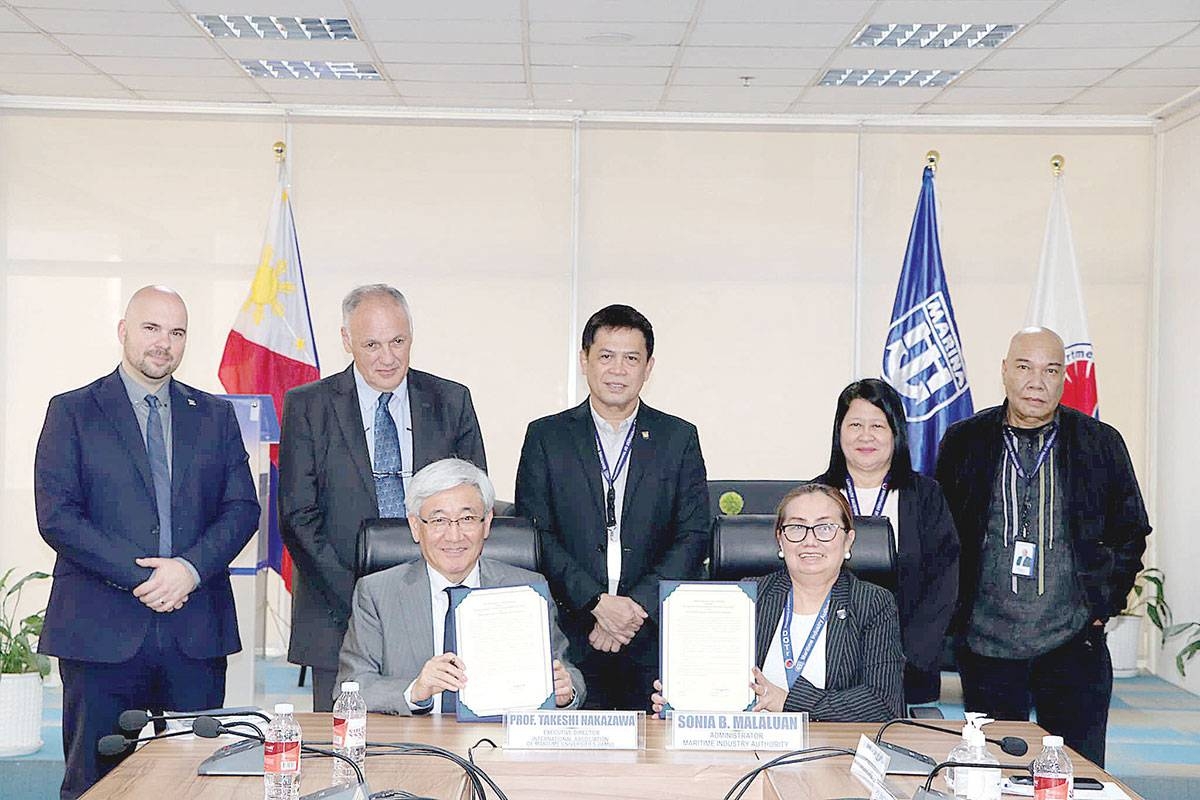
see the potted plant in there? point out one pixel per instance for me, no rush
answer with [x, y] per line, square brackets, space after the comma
[1125, 629]
[21, 671]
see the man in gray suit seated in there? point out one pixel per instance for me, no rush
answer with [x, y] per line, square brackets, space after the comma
[392, 646]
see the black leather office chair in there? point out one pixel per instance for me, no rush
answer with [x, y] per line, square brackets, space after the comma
[744, 546]
[758, 497]
[384, 543]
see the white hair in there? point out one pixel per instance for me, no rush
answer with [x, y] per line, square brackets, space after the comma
[360, 293]
[441, 476]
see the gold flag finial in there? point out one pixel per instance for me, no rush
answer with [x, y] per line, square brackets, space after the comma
[280, 150]
[931, 159]
[1056, 164]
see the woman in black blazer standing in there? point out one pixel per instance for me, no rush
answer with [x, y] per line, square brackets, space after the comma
[870, 463]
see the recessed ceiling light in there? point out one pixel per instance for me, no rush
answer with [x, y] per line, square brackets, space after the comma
[225, 26]
[311, 70]
[933, 35]
[889, 77]
[612, 37]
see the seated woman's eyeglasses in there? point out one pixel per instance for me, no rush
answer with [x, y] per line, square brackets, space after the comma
[442, 524]
[797, 533]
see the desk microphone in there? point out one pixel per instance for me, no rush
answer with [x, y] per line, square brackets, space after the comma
[115, 744]
[135, 719]
[928, 793]
[211, 728]
[1012, 745]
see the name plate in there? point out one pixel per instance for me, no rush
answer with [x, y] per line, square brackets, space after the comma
[736, 730]
[575, 730]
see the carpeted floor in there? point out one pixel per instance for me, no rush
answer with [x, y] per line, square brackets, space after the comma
[1153, 735]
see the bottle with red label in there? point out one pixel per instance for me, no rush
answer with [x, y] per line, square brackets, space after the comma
[349, 733]
[1053, 774]
[281, 756]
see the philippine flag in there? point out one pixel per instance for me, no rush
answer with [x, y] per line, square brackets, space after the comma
[1057, 303]
[271, 347]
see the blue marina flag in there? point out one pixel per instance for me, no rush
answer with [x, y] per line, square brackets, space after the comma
[923, 356]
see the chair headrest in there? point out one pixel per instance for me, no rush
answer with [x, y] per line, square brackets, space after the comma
[384, 543]
[744, 546]
[758, 497]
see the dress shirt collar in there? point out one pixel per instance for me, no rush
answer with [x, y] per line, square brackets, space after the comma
[604, 426]
[137, 393]
[438, 583]
[368, 396]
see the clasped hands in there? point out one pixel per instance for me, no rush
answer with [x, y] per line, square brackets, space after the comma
[448, 673]
[617, 620]
[167, 588]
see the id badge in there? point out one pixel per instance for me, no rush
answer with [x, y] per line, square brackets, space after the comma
[1024, 559]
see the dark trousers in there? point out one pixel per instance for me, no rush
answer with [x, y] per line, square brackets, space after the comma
[621, 680]
[322, 682]
[159, 676]
[1070, 687]
[921, 686]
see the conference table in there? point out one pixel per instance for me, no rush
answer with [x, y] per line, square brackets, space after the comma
[166, 770]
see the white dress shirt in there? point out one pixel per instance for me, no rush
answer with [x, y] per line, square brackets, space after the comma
[613, 440]
[440, 604]
[814, 668]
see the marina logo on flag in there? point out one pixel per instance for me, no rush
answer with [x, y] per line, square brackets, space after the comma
[923, 359]
[1079, 389]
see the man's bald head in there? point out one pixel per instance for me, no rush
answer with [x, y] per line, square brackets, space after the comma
[1033, 373]
[153, 335]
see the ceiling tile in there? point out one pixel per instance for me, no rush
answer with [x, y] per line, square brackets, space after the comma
[1105, 109]
[295, 50]
[458, 101]
[208, 97]
[983, 109]
[785, 10]
[725, 105]
[63, 85]
[998, 11]
[440, 10]
[642, 33]
[724, 76]
[766, 34]
[611, 96]
[166, 83]
[346, 91]
[44, 65]
[734, 94]
[113, 23]
[1124, 11]
[1156, 77]
[1015, 78]
[879, 95]
[855, 107]
[149, 46]
[1044, 94]
[448, 53]
[425, 30]
[593, 55]
[17, 43]
[1172, 58]
[1157, 95]
[611, 10]
[1191, 40]
[184, 67]
[755, 57]
[1075, 58]
[327, 100]
[1099, 34]
[474, 89]
[458, 73]
[633, 76]
[98, 5]
[11, 23]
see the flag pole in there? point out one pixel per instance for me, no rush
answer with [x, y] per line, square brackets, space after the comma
[932, 158]
[1056, 164]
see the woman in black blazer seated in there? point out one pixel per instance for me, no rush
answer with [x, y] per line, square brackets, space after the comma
[870, 463]
[840, 659]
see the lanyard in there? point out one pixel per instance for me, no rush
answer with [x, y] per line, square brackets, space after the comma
[1010, 444]
[611, 475]
[853, 498]
[794, 666]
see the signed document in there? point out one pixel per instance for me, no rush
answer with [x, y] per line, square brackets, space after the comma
[707, 641]
[503, 637]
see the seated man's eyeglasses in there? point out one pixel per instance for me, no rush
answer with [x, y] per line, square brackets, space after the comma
[797, 533]
[442, 524]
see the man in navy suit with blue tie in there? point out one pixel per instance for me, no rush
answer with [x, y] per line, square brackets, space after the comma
[143, 489]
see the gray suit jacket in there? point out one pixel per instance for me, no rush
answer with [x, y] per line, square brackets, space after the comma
[390, 636]
[326, 490]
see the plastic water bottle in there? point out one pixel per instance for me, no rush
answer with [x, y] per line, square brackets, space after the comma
[349, 732]
[1053, 774]
[281, 756]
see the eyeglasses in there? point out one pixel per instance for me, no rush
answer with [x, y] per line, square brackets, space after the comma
[442, 524]
[796, 533]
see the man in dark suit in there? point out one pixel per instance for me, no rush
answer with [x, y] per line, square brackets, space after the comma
[143, 489]
[394, 647]
[618, 492]
[349, 447]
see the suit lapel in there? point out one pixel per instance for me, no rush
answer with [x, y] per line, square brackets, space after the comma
[583, 434]
[770, 602]
[425, 431]
[185, 432]
[349, 417]
[837, 637]
[113, 400]
[641, 456]
[415, 612]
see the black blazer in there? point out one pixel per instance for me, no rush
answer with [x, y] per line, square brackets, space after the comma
[326, 490]
[1104, 511]
[864, 666]
[664, 519]
[927, 568]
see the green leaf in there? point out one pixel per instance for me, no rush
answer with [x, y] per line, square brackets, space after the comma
[1185, 655]
[1152, 613]
[33, 576]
